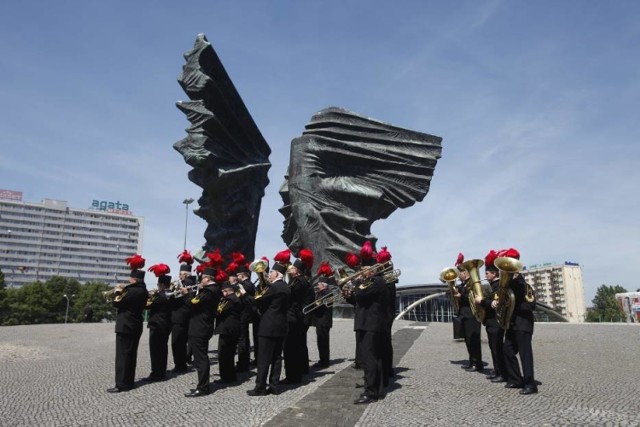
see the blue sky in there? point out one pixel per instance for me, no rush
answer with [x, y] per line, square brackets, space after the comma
[534, 101]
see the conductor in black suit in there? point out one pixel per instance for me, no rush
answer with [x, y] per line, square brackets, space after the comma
[130, 301]
[273, 305]
[202, 307]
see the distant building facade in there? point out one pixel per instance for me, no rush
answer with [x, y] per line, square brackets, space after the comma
[42, 240]
[559, 286]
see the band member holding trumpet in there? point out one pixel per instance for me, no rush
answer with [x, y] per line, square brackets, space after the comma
[495, 334]
[228, 330]
[180, 315]
[322, 316]
[371, 323]
[519, 335]
[273, 304]
[469, 322]
[159, 323]
[202, 307]
[249, 315]
[130, 301]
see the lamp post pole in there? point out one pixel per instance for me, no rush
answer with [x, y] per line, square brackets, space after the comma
[186, 202]
[66, 314]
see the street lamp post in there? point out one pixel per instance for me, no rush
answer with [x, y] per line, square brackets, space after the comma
[186, 202]
[66, 315]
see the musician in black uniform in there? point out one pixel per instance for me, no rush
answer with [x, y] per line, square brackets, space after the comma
[202, 306]
[518, 340]
[246, 318]
[495, 334]
[294, 344]
[372, 323]
[228, 315]
[159, 325]
[322, 320]
[180, 322]
[384, 257]
[273, 305]
[130, 301]
[470, 324]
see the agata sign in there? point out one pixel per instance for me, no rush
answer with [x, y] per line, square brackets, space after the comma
[103, 205]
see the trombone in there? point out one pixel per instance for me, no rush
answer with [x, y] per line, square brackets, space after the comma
[114, 295]
[326, 300]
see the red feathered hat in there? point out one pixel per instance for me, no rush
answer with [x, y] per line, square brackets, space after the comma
[366, 251]
[383, 256]
[215, 258]
[238, 258]
[159, 269]
[460, 259]
[283, 257]
[489, 260]
[324, 270]
[352, 260]
[221, 276]
[306, 256]
[135, 261]
[232, 269]
[185, 257]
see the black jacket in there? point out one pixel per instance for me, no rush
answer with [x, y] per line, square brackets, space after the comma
[298, 288]
[130, 308]
[489, 313]
[465, 309]
[322, 317]
[160, 312]
[522, 318]
[274, 305]
[371, 306]
[249, 311]
[228, 316]
[180, 312]
[202, 308]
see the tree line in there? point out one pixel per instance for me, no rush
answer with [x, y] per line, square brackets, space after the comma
[44, 302]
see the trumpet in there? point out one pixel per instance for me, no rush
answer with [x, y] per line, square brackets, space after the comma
[114, 295]
[376, 268]
[176, 293]
[385, 268]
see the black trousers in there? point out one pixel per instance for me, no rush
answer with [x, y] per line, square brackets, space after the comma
[126, 358]
[158, 351]
[254, 329]
[200, 349]
[294, 352]
[179, 339]
[358, 361]
[322, 338]
[472, 339]
[517, 342]
[244, 347]
[270, 356]
[226, 354]
[495, 336]
[305, 351]
[387, 357]
[371, 351]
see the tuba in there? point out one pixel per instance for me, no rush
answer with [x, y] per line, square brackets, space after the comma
[259, 266]
[449, 276]
[474, 288]
[506, 299]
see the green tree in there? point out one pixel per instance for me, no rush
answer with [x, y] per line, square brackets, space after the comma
[605, 306]
[90, 297]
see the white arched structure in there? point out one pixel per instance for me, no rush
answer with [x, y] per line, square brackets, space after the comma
[417, 303]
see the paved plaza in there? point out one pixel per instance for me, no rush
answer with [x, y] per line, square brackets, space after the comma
[57, 375]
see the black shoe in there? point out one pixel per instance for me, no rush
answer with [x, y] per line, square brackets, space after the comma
[320, 365]
[153, 378]
[512, 385]
[287, 381]
[467, 365]
[365, 400]
[118, 389]
[356, 366]
[359, 385]
[255, 392]
[196, 393]
[492, 376]
[273, 390]
[498, 379]
[479, 368]
[529, 390]
[470, 368]
[180, 369]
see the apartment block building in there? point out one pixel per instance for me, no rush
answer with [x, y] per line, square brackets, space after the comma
[41, 240]
[559, 286]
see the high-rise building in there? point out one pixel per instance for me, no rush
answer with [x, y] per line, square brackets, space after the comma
[559, 286]
[42, 240]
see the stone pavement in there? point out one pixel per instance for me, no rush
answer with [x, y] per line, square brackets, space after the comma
[56, 375]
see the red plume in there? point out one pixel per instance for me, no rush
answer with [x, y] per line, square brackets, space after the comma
[135, 262]
[159, 269]
[383, 256]
[185, 257]
[200, 268]
[460, 259]
[490, 258]
[232, 268]
[215, 258]
[283, 257]
[325, 270]
[352, 260]
[306, 256]
[221, 276]
[367, 250]
[238, 258]
[512, 253]
[265, 259]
